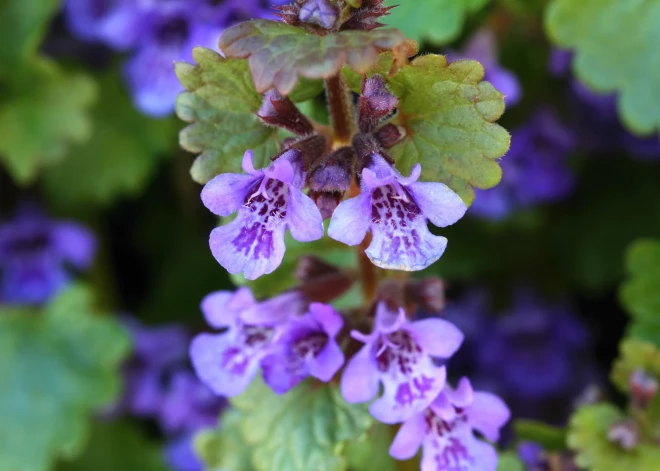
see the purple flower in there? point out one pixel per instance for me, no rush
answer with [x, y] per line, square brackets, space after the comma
[36, 253]
[396, 209]
[268, 201]
[307, 347]
[114, 22]
[535, 350]
[535, 170]
[446, 431]
[482, 47]
[180, 454]
[161, 384]
[227, 362]
[398, 354]
[320, 12]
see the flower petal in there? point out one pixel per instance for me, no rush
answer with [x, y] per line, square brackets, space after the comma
[458, 449]
[406, 395]
[488, 414]
[275, 310]
[409, 438]
[247, 245]
[439, 204]
[303, 217]
[359, 382]
[330, 320]
[221, 308]
[224, 194]
[221, 364]
[278, 375]
[408, 247]
[436, 336]
[351, 220]
[327, 362]
[74, 243]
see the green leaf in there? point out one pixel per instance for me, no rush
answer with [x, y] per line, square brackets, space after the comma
[225, 449]
[616, 45]
[449, 115]
[588, 431]
[22, 26]
[221, 105]
[509, 461]
[117, 446]
[122, 153]
[304, 429]
[448, 17]
[371, 452]
[56, 367]
[640, 294]
[44, 113]
[549, 437]
[279, 53]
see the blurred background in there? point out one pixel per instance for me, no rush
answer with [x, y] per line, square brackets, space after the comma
[94, 188]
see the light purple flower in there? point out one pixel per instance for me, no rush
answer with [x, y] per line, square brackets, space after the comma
[446, 431]
[306, 348]
[483, 48]
[180, 454]
[36, 254]
[227, 362]
[268, 201]
[320, 12]
[396, 209]
[113, 22]
[398, 354]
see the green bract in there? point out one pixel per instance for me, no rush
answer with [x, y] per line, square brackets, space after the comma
[279, 53]
[221, 105]
[304, 429]
[616, 44]
[449, 116]
[47, 111]
[56, 367]
[588, 437]
[117, 446]
[641, 294]
[438, 21]
[118, 159]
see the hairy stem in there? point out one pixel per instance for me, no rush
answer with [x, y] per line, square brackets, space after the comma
[342, 114]
[368, 274]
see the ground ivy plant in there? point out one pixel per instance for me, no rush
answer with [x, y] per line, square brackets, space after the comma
[343, 352]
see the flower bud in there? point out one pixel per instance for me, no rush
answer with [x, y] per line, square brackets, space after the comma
[334, 172]
[643, 388]
[389, 135]
[624, 433]
[280, 111]
[376, 103]
[429, 293]
[326, 201]
[319, 12]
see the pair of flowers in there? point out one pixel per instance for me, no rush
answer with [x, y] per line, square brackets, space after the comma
[394, 208]
[291, 340]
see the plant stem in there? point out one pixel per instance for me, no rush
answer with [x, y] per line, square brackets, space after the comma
[342, 114]
[368, 274]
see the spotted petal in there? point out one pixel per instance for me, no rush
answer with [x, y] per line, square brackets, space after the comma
[458, 449]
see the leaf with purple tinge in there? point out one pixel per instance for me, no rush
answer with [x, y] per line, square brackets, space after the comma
[279, 54]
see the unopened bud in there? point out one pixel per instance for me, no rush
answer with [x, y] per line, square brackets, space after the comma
[624, 433]
[428, 293]
[643, 388]
[334, 172]
[389, 135]
[326, 201]
[280, 111]
[375, 104]
[313, 267]
[319, 12]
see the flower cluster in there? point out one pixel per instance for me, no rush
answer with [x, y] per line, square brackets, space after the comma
[161, 385]
[38, 255]
[158, 33]
[394, 209]
[289, 338]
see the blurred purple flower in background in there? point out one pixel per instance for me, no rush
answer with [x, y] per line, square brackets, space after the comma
[158, 33]
[599, 129]
[161, 385]
[535, 170]
[482, 47]
[38, 253]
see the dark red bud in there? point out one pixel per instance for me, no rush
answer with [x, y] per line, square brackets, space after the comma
[280, 111]
[389, 135]
[334, 172]
[326, 201]
[312, 267]
[643, 388]
[428, 293]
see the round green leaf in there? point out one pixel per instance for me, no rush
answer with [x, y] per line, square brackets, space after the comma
[56, 367]
[616, 44]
